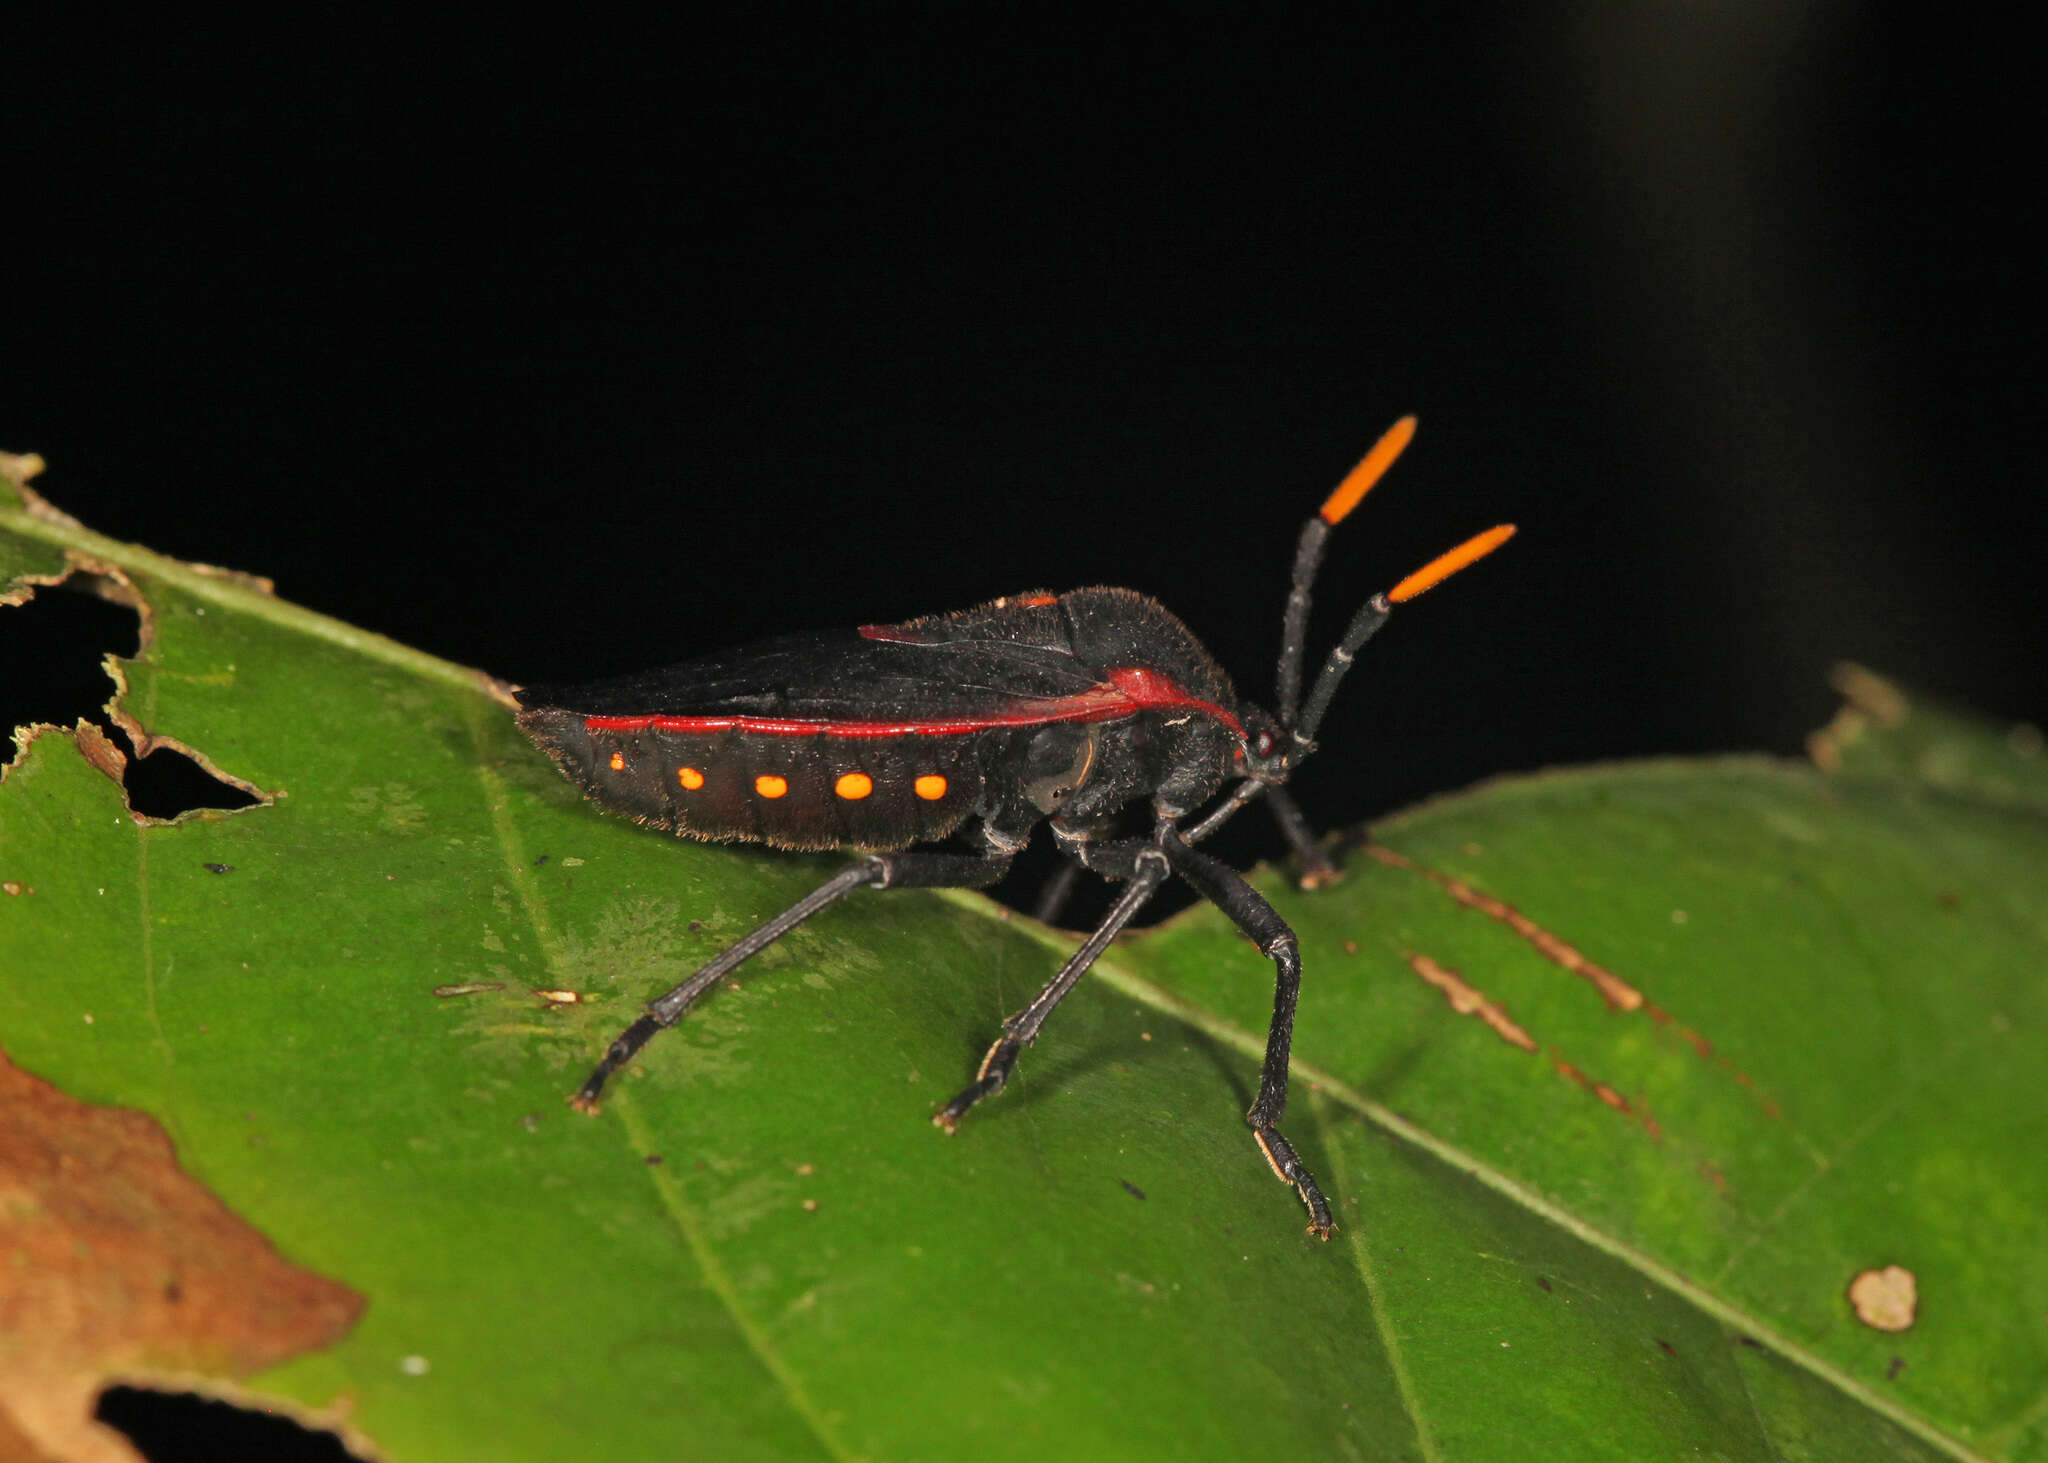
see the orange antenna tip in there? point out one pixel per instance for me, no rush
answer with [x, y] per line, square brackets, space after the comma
[1443, 566]
[1361, 478]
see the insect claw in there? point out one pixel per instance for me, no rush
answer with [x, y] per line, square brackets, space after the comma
[588, 1106]
[946, 1123]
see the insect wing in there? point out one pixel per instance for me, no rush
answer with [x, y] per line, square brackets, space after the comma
[866, 738]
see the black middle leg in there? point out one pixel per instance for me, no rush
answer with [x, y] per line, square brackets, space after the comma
[1249, 911]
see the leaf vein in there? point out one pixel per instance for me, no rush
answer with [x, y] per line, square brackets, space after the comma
[1382, 1321]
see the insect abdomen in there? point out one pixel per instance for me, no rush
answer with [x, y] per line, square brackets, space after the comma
[789, 789]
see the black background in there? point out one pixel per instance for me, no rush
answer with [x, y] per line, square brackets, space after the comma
[567, 351]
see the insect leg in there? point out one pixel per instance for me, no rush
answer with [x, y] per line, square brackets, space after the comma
[914, 870]
[1249, 911]
[1149, 869]
[1053, 897]
[1314, 869]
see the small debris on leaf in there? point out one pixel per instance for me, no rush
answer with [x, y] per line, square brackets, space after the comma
[218, 868]
[468, 988]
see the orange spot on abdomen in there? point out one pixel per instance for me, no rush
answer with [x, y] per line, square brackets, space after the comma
[853, 785]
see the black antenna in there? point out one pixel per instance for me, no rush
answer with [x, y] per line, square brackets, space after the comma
[1308, 557]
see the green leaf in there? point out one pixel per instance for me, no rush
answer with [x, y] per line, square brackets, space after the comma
[1882, 731]
[1732, 1032]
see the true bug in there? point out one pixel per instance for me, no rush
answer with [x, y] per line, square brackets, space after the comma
[1032, 708]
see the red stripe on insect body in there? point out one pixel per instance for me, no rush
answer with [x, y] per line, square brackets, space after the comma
[1129, 690]
[1150, 691]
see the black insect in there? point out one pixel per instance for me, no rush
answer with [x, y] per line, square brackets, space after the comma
[1036, 707]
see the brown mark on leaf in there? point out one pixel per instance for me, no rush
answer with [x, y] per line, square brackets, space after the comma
[1633, 1111]
[1616, 992]
[1467, 1000]
[1885, 1300]
[1705, 1050]
[124, 1269]
[260, 583]
[1871, 694]
[17, 468]
[98, 748]
[1867, 698]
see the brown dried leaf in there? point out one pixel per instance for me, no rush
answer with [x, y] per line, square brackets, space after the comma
[123, 1267]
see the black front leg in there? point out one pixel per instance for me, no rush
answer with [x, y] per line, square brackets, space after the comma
[1250, 912]
[1144, 868]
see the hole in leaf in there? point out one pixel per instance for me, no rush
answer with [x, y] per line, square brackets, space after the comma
[52, 669]
[50, 654]
[167, 783]
[183, 1428]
